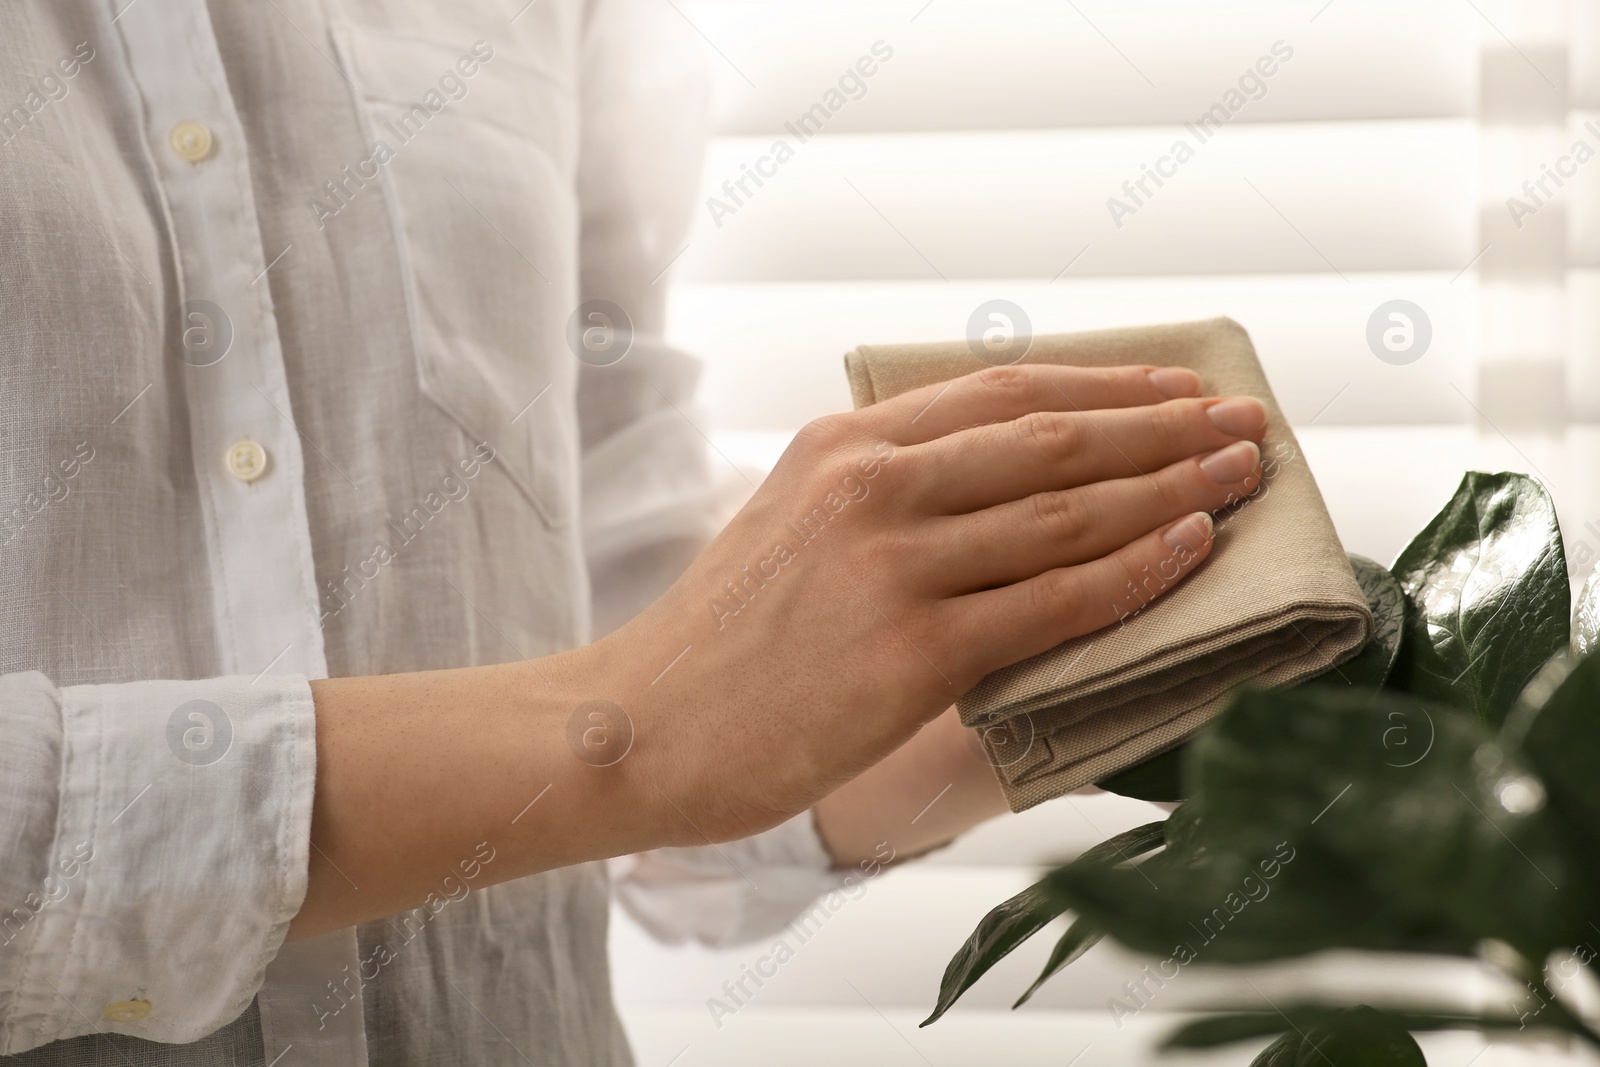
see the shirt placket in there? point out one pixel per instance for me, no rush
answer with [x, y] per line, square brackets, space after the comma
[222, 341]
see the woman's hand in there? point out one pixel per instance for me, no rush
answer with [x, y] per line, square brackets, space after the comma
[896, 555]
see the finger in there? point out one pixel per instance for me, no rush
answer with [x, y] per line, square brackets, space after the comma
[1045, 451]
[1007, 625]
[1068, 527]
[1000, 394]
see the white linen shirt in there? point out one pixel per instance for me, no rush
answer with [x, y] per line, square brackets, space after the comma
[301, 378]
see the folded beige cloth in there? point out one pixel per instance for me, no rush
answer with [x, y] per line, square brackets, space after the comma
[1274, 604]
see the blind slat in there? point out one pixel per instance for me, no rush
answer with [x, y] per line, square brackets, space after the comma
[773, 352]
[982, 64]
[1358, 196]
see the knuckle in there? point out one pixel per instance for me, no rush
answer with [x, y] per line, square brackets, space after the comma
[831, 473]
[1012, 382]
[827, 432]
[1174, 419]
[885, 550]
[899, 543]
[948, 633]
[1062, 514]
[902, 469]
[1128, 569]
[1053, 435]
[1173, 490]
[1056, 596]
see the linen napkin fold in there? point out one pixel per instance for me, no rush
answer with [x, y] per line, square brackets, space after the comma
[1274, 604]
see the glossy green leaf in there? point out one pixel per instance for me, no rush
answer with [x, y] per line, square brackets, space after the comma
[1025, 914]
[1370, 668]
[1183, 830]
[1080, 937]
[1586, 616]
[1128, 845]
[1490, 602]
[1179, 830]
[1441, 822]
[1003, 929]
[1219, 1030]
[1314, 827]
[1557, 728]
[1360, 1037]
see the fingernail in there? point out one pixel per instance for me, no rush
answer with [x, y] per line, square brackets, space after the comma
[1192, 532]
[1175, 382]
[1239, 416]
[1231, 465]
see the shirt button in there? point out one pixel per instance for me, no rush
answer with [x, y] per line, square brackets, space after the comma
[127, 1011]
[190, 141]
[247, 460]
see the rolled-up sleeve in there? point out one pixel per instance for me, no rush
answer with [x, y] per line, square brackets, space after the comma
[720, 895]
[651, 499]
[156, 837]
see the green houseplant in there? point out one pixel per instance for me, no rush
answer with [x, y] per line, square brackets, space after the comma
[1436, 794]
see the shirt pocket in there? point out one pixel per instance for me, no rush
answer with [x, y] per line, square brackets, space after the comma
[476, 155]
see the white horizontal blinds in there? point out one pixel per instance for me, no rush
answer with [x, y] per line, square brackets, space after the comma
[1540, 144]
[882, 168]
[1582, 383]
[1364, 196]
[1029, 64]
[777, 346]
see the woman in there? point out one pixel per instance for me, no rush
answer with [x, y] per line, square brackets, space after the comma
[339, 424]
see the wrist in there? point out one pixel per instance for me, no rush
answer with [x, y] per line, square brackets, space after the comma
[612, 752]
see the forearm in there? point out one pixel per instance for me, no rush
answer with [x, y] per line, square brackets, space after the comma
[928, 792]
[416, 771]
